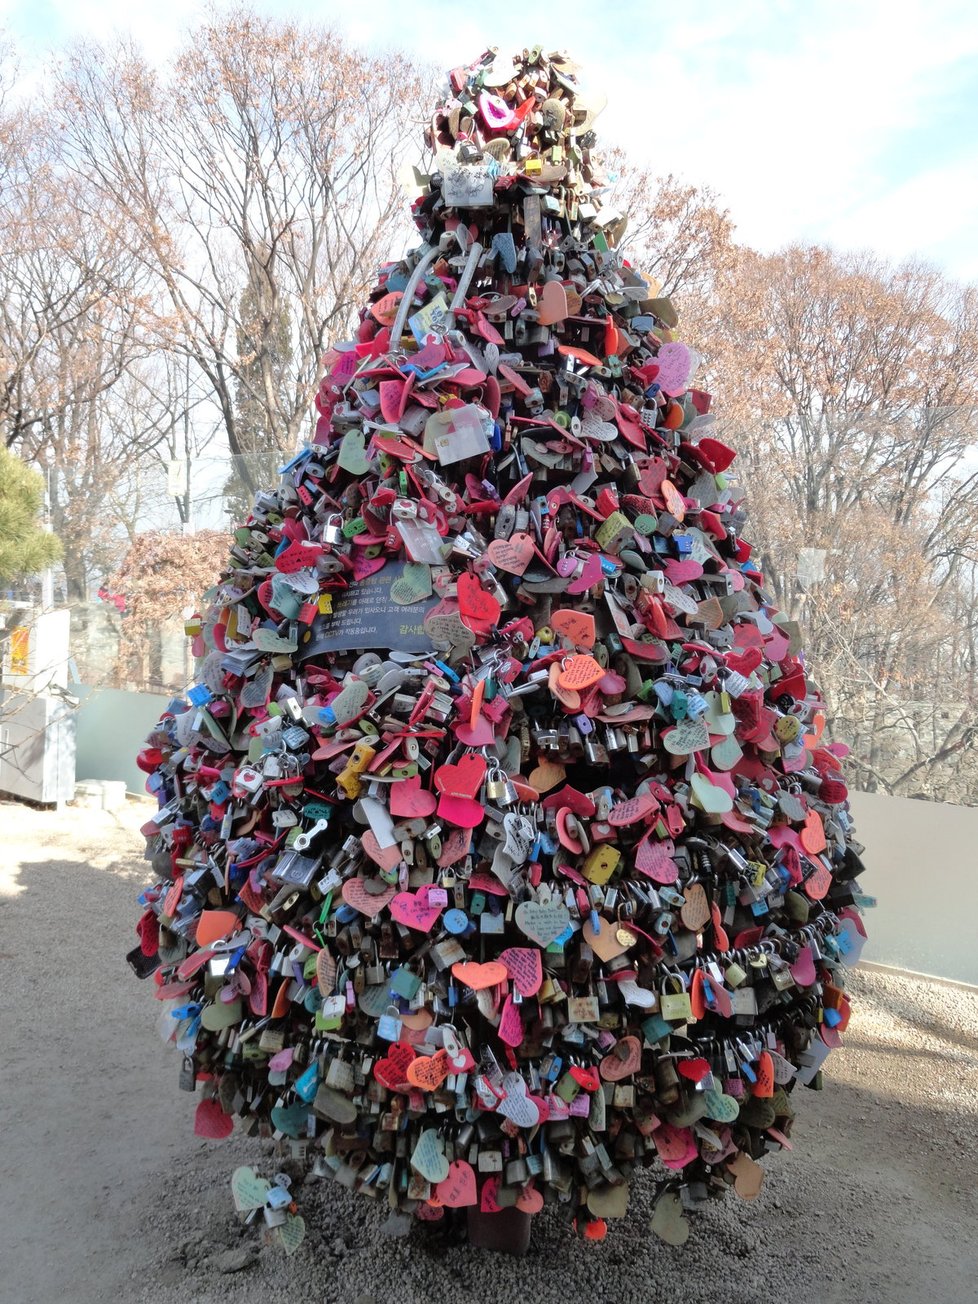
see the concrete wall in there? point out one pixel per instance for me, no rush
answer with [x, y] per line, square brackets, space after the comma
[920, 856]
[110, 727]
[922, 865]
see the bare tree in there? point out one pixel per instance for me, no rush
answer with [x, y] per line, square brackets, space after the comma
[852, 388]
[266, 156]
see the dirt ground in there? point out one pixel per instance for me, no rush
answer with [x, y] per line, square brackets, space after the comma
[107, 1194]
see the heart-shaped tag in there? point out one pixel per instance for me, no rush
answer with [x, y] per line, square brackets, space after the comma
[530, 1200]
[386, 857]
[608, 1201]
[512, 555]
[686, 737]
[542, 923]
[589, 576]
[393, 398]
[668, 1221]
[248, 1190]
[676, 1146]
[654, 860]
[428, 1072]
[291, 1119]
[605, 943]
[579, 673]
[719, 1106]
[803, 969]
[813, 834]
[412, 585]
[391, 1071]
[710, 798]
[675, 366]
[624, 1059]
[524, 967]
[413, 910]
[480, 976]
[458, 785]
[428, 1157]
[291, 1233]
[356, 894]
[458, 1189]
[633, 810]
[726, 754]
[577, 627]
[748, 1176]
[211, 1121]
[350, 701]
[221, 1014]
[352, 457]
[552, 304]
[516, 1105]
[510, 1024]
[410, 801]
[215, 926]
[695, 912]
[479, 609]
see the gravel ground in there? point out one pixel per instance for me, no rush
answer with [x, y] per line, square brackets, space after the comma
[109, 1196]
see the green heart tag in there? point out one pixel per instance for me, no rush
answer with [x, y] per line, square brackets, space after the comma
[248, 1189]
[414, 585]
[292, 1233]
[352, 457]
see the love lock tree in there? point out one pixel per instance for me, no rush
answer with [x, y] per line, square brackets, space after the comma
[500, 854]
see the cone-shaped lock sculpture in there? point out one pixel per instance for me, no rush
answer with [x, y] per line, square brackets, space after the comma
[499, 852]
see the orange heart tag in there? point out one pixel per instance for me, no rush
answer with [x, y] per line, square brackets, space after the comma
[215, 926]
[479, 976]
[580, 672]
[576, 626]
[813, 834]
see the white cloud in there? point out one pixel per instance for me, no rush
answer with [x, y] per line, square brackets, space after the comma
[825, 120]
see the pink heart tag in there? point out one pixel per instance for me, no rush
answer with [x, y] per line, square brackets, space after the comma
[588, 577]
[386, 857]
[355, 894]
[552, 304]
[803, 969]
[512, 555]
[488, 1201]
[682, 572]
[412, 909]
[510, 1024]
[410, 801]
[393, 397]
[675, 363]
[675, 1145]
[525, 968]
[654, 859]
[459, 1187]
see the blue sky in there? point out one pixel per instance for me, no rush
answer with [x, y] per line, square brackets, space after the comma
[846, 121]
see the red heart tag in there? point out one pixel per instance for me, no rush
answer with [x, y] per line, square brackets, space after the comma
[588, 1079]
[211, 1121]
[720, 455]
[745, 662]
[464, 779]
[478, 607]
[693, 1069]
[391, 1071]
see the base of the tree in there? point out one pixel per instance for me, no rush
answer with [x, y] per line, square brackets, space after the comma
[506, 1232]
